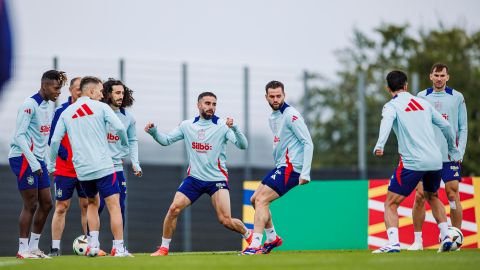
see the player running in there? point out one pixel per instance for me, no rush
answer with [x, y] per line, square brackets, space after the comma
[86, 123]
[292, 152]
[65, 177]
[205, 138]
[26, 160]
[420, 157]
[451, 105]
[118, 96]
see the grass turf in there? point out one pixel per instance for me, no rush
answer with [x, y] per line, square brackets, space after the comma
[429, 259]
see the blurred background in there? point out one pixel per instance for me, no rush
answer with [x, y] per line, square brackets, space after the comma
[331, 56]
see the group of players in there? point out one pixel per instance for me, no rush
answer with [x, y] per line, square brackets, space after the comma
[91, 134]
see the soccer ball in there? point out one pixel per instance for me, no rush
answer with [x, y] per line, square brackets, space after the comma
[457, 238]
[80, 245]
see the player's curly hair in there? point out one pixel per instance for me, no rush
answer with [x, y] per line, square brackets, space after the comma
[107, 92]
[55, 75]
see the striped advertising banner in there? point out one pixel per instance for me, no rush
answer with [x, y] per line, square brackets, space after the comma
[470, 199]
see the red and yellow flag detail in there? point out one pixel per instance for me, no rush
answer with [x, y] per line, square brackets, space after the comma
[470, 200]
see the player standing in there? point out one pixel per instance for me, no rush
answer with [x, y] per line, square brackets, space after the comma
[26, 160]
[118, 96]
[65, 177]
[205, 138]
[292, 152]
[86, 123]
[451, 105]
[420, 157]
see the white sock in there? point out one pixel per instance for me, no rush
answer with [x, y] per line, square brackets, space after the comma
[256, 240]
[392, 233]
[22, 244]
[56, 244]
[166, 243]
[418, 237]
[247, 234]
[94, 239]
[34, 239]
[271, 234]
[443, 230]
[118, 245]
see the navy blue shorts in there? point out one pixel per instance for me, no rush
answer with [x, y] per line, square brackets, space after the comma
[107, 186]
[64, 187]
[404, 181]
[122, 181]
[451, 171]
[194, 188]
[281, 180]
[26, 179]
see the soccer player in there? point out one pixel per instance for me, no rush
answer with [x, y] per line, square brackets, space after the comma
[451, 105]
[65, 177]
[86, 123]
[205, 138]
[118, 96]
[420, 157]
[292, 152]
[26, 159]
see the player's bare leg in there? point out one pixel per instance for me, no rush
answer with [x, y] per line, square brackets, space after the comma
[269, 224]
[418, 215]
[116, 223]
[456, 211]
[391, 222]
[221, 203]
[262, 213]
[39, 219]
[58, 225]
[83, 203]
[180, 202]
[438, 211]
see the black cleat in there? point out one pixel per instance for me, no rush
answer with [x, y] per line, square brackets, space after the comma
[54, 252]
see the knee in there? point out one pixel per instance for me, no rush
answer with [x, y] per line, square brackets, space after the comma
[391, 204]
[46, 206]
[261, 201]
[429, 196]
[61, 209]
[419, 198]
[174, 210]
[252, 201]
[30, 207]
[452, 194]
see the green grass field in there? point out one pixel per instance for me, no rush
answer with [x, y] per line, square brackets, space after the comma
[465, 259]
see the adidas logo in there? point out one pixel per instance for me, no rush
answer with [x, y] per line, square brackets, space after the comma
[294, 118]
[29, 111]
[456, 174]
[413, 105]
[82, 111]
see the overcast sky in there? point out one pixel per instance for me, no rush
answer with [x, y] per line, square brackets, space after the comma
[270, 33]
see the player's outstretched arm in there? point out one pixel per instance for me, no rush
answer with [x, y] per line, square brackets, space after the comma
[388, 116]
[162, 138]
[55, 141]
[299, 128]
[24, 118]
[447, 131]
[235, 136]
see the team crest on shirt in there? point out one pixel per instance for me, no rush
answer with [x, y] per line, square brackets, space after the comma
[59, 193]
[30, 180]
[201, 134]
[438, 105]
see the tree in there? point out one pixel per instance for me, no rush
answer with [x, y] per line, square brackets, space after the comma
[333, 116]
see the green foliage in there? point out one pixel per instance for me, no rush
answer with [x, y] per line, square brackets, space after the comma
[333, 113]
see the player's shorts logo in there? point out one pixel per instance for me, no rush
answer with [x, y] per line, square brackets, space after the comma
[201, 134]
[30, 180]
[59, 193]
[220, 185]
[275, 174]
[454, 168]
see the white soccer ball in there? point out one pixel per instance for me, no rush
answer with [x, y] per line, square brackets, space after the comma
[80, 245]
[457, 238]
